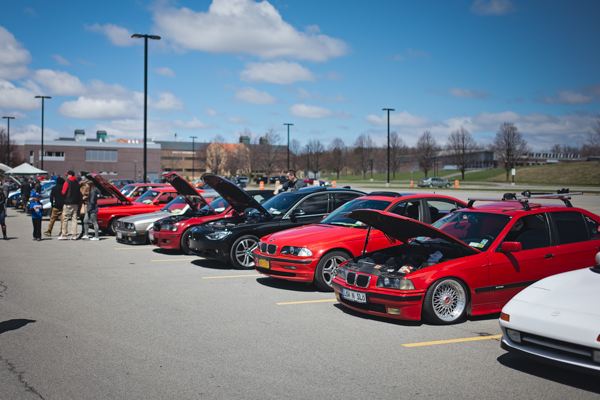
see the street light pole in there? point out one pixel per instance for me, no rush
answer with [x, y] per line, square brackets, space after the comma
[146, 37]
[43, 98]
[307, 161]
[193, 156]
[8, 139]
[288, 147]
[388, 144]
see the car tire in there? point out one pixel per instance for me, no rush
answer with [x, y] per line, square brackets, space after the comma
[447, 185]
[446, 302]
[431, 185]
[184, 243]
[241, 252]
[326, 269]
[111, 226]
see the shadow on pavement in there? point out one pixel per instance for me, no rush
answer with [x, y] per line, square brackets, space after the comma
[287, 285]
[14, 324]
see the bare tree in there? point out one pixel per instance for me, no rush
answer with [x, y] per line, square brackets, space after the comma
[15, 158]
[363, 153]
[316, 155]
[336, 157]
[461, 147]
[509, 145]
[270, 153]
[295, 151]
[398, 150]
[564, 149]
[426, 151]
[592, 147]
[215, 158]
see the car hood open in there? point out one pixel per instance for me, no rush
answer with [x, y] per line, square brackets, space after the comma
[403, 228]
[187, 191]
[106, 188]
[237, 198]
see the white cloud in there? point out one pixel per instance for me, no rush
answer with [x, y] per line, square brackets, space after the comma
[314, 112]
[211, 113]
[60, 59]
[99, 108]
[195, 123]
[165, 72]
[253, 96]
[17, 98]
[59, 82]
[316, 96]
[402, 119]
[238, 120]
[245, 27]
[117, 35]
[492, 7]
[469, 94]
[14, 59]
[565, 97]
[32, 132]
[280, 72]
[167, 101]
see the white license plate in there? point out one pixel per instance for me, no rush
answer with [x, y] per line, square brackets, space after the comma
[119, 235]
[357, 297]
[151, 234]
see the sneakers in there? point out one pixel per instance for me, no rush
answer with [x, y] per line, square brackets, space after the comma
[47, 233]
[94, 238]
[38, 239]
[74, 238]
[63, 238]
[85, 237]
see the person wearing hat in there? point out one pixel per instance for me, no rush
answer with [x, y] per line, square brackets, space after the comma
[71, 191]
[36, 216]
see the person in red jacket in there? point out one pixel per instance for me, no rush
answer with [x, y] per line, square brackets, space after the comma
[71, 191]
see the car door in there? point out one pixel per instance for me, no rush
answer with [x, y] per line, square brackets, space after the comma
[578, 240]
[309, 210]
[511, 272]
[439, 208]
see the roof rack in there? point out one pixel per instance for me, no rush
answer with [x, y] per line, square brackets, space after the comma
[525, 196]
[385, 194]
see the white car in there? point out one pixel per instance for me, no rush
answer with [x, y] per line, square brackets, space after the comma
[557, 320]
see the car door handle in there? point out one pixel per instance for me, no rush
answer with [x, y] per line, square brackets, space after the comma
[549, 255]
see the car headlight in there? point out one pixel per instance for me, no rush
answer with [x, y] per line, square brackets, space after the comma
[218, 235]
[342, 272]
[130, 226]
[394, 283]
[296, 251]
[169, 227]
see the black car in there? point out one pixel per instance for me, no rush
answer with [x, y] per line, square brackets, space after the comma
[234, 239]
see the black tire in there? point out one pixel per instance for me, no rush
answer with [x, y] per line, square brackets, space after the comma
[241, 252]
[447, 185]
[446, 302]
[111, 226]
[184, 243]
[431, 185]
[327, 268]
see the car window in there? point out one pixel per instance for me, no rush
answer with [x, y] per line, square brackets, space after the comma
[593, 227]
[408, 209]
[259, 198]
[219, 205]
[314, 205]
[165, 198]
[571, 227]
[439, 208]
[338, 216]
[340, 199]
[148, 197]
[477, 229]
[177, 206]
[282, 202]
[532, 231]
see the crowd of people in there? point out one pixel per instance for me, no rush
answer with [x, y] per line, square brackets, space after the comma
[72, 199]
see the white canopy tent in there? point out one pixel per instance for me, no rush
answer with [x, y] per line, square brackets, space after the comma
[25, 169]
[4, 167]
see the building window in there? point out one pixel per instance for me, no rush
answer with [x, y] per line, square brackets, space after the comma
[101, 155]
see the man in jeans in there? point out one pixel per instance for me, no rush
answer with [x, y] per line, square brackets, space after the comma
[71, 191]
[57, 199]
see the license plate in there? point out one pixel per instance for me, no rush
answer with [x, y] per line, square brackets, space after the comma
[151, 234]
[119, 235]
[263, 263]
[357, 297]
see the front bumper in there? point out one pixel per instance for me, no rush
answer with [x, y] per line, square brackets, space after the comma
[296, 269]
[383, 303]
[168, 240]
[131, 237]
[214, 250]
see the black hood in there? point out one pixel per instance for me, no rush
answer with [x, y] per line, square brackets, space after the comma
[187, 191]
[402, 228]
[60, 182]
[106, 188]
[237, 198]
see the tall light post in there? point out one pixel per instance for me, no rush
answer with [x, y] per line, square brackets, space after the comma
[43, 98]
[193, 156]
[288, 147]
[8, 139]
[307, 161]
[134, 170]
[146, 37]
[388, 146]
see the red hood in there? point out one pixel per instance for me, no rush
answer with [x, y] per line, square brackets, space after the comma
[316, 234]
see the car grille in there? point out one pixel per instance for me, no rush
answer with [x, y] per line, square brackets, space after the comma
[557, 345]
[375, 307]
[358, 280]
[268, 248]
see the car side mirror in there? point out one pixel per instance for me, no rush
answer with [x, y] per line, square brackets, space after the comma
[297, 212]
[511, 247]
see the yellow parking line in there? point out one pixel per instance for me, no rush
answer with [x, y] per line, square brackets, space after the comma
[471, 339]
[229, 276]
[173, 259]
[306, 302]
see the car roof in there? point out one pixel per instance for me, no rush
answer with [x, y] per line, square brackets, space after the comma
[406, 196]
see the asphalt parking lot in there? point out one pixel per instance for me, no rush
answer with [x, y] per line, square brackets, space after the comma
[92, 320]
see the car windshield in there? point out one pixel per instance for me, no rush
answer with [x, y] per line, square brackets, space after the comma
[281, 203]
[219, 205]
[477, 229]
[127, 190]
[338, 216]
[148, 197]
[176, 206]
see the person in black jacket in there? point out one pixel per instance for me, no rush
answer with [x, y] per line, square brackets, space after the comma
[3, 212]
[92, 212]
[25, 192]
[37, 186]
[57, 199]
[71, 191]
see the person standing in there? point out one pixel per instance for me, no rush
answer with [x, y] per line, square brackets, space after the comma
[71, 191]
[85, 194]
[37, 186]
[3, 212]
[92, 212]
[25, 192]
[36, 216]
[292, 184]
[57, 199]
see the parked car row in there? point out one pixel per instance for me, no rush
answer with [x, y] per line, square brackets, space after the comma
[408, 256]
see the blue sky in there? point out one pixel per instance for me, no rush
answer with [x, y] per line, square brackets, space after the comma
[224, 67]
